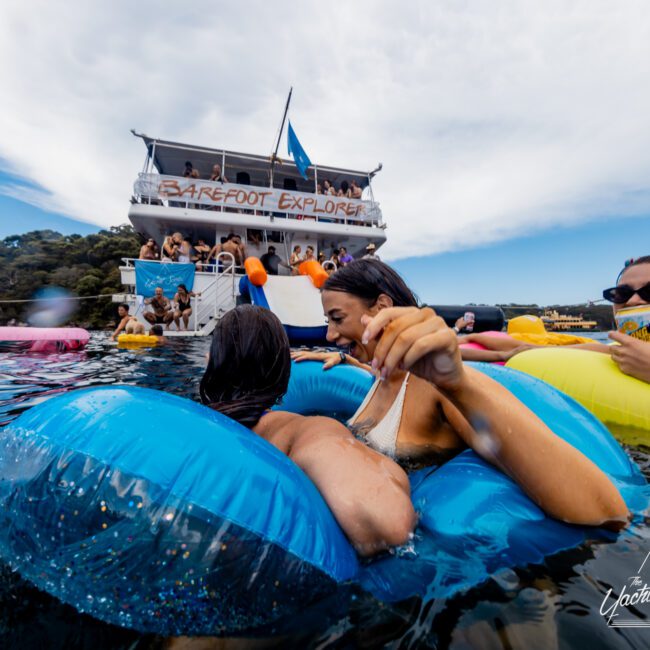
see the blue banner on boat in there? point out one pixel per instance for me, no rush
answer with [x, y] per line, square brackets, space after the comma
[295, 149]
[149, 275]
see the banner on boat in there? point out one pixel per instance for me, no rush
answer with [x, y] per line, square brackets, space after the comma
[246, 197]
[149, 275]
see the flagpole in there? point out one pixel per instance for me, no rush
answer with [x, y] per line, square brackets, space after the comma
[277, 144]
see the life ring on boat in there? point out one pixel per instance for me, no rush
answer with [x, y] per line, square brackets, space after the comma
[593, 379]
[113, 510]
[44, 339]
[136, 340]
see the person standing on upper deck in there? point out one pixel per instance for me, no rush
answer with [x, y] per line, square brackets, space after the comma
[355, 190]
[217, 176]
[189, 168]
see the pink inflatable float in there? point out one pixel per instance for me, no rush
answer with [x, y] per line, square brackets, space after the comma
[478, 346]
[43, 339]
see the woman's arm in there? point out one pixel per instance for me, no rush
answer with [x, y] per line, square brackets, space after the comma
[368, 493]
[329, 359]
[121, 325]
[493, 422]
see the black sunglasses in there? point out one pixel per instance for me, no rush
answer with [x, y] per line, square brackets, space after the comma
[623, 292]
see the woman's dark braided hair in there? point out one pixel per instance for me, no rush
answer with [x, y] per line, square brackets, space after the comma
[368, 279]
[249, 366]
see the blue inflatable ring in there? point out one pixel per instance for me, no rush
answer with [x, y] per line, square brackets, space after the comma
[155, 513]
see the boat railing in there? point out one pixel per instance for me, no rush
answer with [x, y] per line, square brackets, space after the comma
[198, 194]
[215, 268]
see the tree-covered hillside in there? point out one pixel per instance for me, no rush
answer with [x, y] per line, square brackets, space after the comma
[86, 266]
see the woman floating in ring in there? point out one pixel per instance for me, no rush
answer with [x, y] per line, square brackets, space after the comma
[426, 406]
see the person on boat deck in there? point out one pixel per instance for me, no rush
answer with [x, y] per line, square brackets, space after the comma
[216, 175]
[248, 373]
[344, 190]
[162, 313]
[201, 253]
[184, 248]
[344, 256]
[148, 250]
[271, 261]
[334, 257]
[426, 406]
[296, 259]
[189, 168]
[183, 302]
[319, 188]
[232, 245]
[128, 324]
[309, 254]
[169, 251]
[631, 355]
[328, 188]
[355, 191]
[370, 252]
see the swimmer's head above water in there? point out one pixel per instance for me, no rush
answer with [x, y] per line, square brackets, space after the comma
[361, 288]
[249, 364]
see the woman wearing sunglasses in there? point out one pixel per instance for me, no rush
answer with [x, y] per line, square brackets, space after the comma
[632, 355]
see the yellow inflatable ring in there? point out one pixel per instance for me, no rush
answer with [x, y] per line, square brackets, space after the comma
[621, 402]
[136, 339]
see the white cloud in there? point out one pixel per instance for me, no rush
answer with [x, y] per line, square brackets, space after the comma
[491, 119]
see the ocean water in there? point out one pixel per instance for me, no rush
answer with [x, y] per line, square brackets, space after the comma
[556, 604]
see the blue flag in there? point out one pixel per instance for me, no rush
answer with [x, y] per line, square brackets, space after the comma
[295, 149]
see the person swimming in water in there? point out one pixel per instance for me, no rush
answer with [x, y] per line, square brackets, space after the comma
[248, 373]
[426, 406]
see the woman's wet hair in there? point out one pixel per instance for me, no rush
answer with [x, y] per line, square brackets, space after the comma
[183, 287]
[635, 261]
[124, 306]
[368, 279]
[249, 366]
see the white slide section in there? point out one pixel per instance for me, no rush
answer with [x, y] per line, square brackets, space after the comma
[294, 300]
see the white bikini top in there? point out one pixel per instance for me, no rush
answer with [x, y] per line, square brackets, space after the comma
[383, 436]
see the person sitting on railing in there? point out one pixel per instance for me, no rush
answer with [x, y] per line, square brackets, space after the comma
[162, 313]
[201, 254]
[295, 260]
[169, 251]
[183, 302]
[344, 256]
[217, 176]
[148, 250]
[355, 190]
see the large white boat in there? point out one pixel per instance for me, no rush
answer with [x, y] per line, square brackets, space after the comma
[264, 204]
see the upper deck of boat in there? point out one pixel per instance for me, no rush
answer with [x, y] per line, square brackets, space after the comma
[177, 187]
